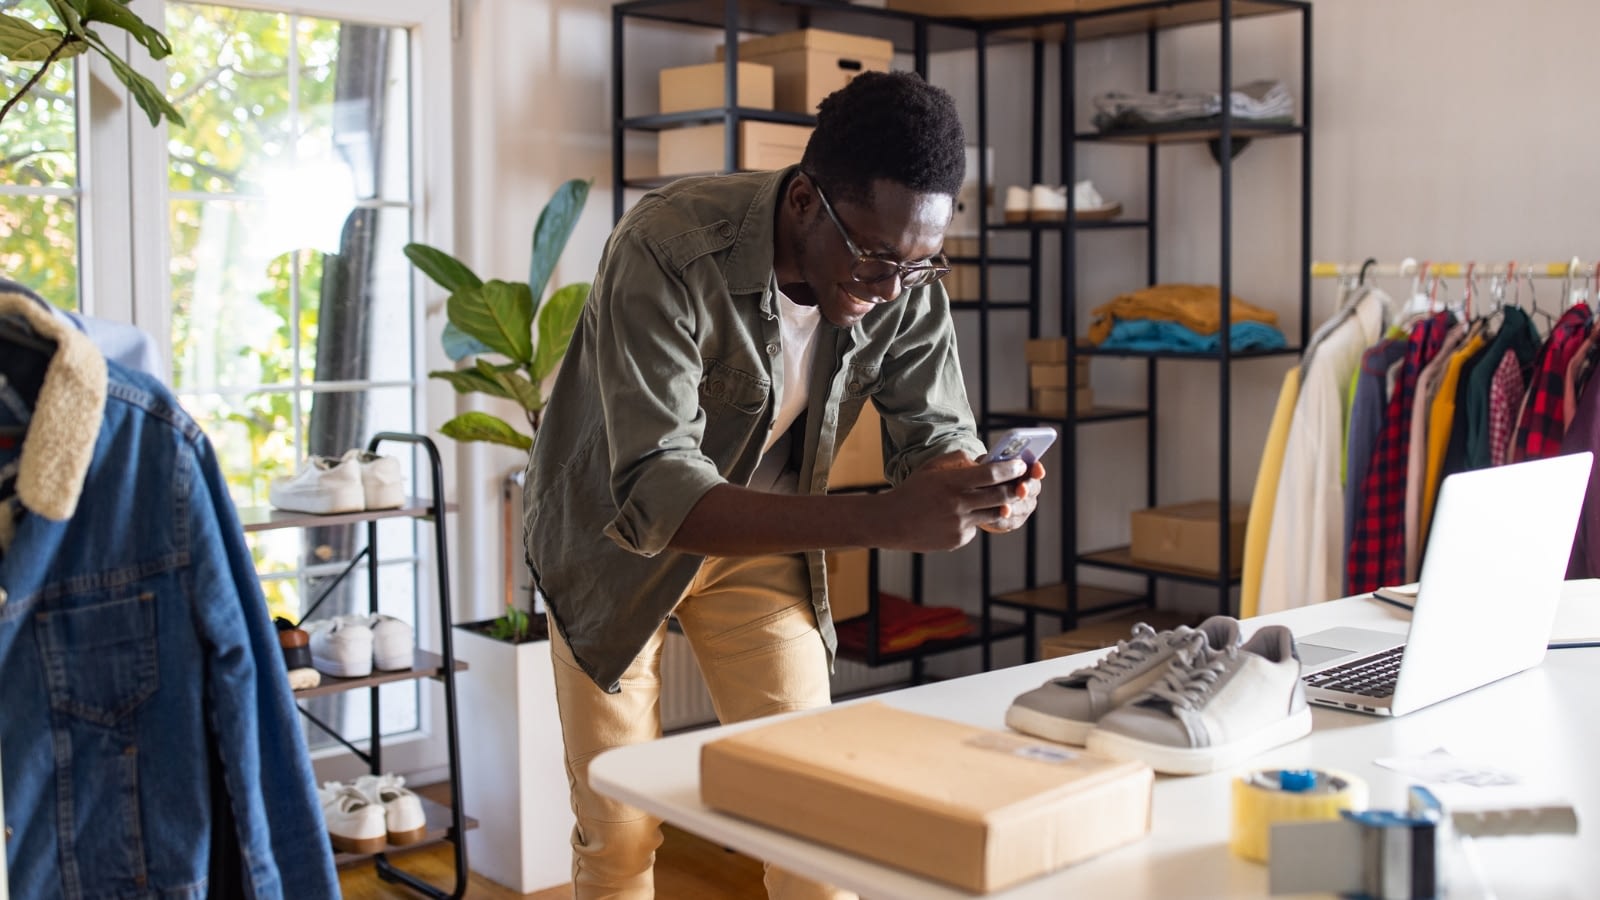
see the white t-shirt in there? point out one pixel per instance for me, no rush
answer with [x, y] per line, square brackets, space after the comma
[798, 337]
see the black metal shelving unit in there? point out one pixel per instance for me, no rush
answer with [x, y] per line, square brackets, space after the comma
[444, 822]
[910, 33]
[1062, 32]
[1071, 600]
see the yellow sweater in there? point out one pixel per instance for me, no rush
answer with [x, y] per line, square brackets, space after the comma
[1195, 306]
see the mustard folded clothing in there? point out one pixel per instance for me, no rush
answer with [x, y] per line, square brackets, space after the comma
[1195, 306]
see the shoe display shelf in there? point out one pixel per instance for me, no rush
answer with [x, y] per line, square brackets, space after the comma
[445, 822]
[1072, 601]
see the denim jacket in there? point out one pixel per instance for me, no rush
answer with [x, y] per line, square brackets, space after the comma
[135, 643]
[667, 391]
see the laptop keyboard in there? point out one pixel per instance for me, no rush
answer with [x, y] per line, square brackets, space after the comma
[1372, 676]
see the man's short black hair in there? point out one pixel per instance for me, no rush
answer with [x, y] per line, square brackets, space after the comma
[889, 125]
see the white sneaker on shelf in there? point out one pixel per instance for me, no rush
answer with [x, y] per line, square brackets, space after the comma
[403, 816]
[383, 483]
[1018, 204]
[1088, 205]
[1047, 203]
[394, 643]
[355, 824]
[342, 646]
[322, 486]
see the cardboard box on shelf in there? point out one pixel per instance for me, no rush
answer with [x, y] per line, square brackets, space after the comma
[1052, 350]
[1186, 535]
[962, 282]
[698, 149]
[849, 583]
[1053, 401]
[1054, 375]
[1098, 634]
[811, 63]
[702, 87]
[967, 806]
[859, 462]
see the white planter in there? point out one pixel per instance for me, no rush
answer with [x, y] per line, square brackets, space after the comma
[513, 770]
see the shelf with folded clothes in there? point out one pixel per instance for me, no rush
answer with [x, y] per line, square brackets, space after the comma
[437, 830]
[1121, 559]
[1191, 132]
[1250, 353]
[853, 644]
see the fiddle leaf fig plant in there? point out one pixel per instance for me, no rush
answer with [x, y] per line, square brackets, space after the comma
[507, 341]
[75, 32]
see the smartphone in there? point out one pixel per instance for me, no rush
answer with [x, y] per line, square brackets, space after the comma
[1026, 444]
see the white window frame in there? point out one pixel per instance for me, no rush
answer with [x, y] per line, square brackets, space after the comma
[123, 249]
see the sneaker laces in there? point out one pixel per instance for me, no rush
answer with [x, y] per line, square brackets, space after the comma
[1128, 655]
[1194, 672]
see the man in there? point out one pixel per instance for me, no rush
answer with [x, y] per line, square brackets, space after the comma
[736, 328]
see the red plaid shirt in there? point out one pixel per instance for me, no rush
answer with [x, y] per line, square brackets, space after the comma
[1543, 423]
[1505, 397]
[1378, 552]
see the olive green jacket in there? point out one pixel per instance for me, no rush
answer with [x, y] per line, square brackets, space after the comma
[667, 390]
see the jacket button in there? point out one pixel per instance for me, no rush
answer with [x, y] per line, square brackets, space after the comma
[716, 388]
[772, 349]
[855, 386]
[725, 230]
[3, 596]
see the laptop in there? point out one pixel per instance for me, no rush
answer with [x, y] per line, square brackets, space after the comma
[1486, 602]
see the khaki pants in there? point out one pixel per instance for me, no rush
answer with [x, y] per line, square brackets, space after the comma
[754, 634]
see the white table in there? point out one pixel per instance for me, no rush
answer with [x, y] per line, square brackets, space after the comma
[1543, 724]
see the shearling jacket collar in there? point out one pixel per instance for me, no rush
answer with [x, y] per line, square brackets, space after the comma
[60, 440]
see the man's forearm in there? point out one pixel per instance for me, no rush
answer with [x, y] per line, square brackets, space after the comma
[735, 521]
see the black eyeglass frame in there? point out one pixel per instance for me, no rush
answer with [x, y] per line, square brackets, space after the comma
[911, 275]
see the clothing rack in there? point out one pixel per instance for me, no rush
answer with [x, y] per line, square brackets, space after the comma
[1409, 267]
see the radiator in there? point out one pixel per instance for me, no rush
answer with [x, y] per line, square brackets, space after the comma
[685, 704]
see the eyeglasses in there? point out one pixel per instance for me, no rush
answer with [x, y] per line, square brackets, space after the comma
[868, 269]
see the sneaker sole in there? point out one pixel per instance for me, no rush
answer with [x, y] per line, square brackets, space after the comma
[1051, 728]
[1200, 760]
[402, 838]
[357, 845]
[395, 663]
[327, 504]
[340, 669]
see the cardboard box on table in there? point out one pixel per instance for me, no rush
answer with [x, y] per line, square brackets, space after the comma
[703, 86]
[811, 63]
[1186, 535]
[967, 806]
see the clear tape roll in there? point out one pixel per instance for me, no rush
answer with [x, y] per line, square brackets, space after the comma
[1268, 796]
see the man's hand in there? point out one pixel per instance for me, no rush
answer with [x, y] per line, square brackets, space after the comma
[1025, 499]
[942, 504]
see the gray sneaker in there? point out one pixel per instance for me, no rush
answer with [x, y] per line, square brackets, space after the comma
[1065, 709]
[1213, 708]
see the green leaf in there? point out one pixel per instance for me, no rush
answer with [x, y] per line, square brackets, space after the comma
[151, 100]
[459, 345]
[70, 14]
[478, 426]
[513, 383]
[500, 314]
[550, 234]
[470, 381]
[22, 41]
[557, 320]
[114, 13]
[446, 271]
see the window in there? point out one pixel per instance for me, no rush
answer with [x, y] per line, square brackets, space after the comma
[277, 289]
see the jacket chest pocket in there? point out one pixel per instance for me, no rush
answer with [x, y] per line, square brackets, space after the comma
[723, 386]
[100, 659]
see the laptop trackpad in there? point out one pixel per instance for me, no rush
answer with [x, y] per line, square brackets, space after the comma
[1324, 648]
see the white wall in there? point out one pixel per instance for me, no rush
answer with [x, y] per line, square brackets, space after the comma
[1443, 129]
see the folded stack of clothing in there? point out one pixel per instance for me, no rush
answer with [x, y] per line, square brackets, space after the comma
[1257, 103]
[1185, 318]
[903, 625]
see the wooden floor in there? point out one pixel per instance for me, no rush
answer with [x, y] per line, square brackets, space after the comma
[687, 868]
